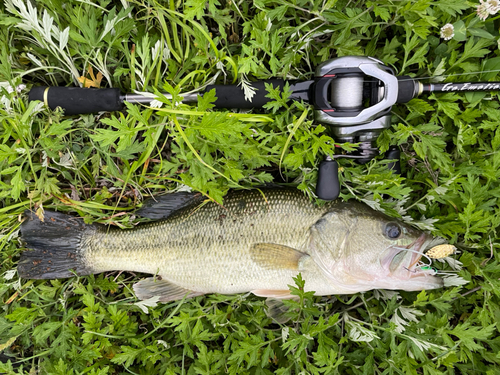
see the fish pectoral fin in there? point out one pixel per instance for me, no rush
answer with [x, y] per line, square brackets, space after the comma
[274, 256]
[167, 291]
[273, 293]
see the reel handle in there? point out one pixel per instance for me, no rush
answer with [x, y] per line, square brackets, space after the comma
[394, 154]
[328, 185]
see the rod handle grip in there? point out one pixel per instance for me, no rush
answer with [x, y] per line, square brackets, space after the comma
[77, 100]
[233, 96]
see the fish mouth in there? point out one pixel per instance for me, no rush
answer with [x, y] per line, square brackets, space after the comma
[403, 262]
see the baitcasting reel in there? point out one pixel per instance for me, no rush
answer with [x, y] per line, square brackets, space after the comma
[362, 91]
[353, 95]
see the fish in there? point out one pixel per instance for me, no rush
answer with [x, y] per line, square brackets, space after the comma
[257, 242]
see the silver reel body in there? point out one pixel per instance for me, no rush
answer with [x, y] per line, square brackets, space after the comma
[341, 91]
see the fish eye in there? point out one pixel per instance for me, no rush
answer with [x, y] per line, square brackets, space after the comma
[392, 230]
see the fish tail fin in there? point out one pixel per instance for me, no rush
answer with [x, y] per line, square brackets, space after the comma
[56, 246]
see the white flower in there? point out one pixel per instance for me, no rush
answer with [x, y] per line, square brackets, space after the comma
[483, 11]
[492, 5]
[487, 7]
[447, 31]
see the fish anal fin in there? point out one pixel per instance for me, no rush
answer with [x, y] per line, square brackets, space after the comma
[273, 293]
[277, 310]
[167, 291]
[274, 256]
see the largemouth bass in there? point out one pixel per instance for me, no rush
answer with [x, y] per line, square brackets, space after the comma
[257, 242]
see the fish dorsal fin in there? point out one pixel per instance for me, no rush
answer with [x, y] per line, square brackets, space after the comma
[167, 291]
[274, 256]
[163, 206]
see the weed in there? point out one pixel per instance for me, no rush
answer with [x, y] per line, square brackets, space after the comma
[102, 166]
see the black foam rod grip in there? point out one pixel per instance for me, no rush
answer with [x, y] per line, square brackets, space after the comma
[328, 185]
[77, 100]
[233, 96]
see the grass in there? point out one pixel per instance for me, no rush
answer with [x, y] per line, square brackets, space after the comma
[101, 167]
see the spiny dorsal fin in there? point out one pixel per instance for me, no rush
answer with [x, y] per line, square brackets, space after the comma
[167, 291]
[274, 256]
[163, 206]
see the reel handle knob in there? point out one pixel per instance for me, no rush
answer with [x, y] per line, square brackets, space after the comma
[394, 154]
[328, 185]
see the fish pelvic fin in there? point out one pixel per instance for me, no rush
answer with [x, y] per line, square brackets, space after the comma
[167, 291]
[273, 293]
[55, 246]
[274, 256]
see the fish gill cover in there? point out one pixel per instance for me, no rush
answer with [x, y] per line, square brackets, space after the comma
[100, 168]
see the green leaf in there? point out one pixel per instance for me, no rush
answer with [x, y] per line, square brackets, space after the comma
[18, 185]
[480, 33]
[452, 7]
[59, 128]
[412, 57]
[469, 335]
[127, 356]
[9, 170]
[381, 12]
[460, 31]
[492, 65]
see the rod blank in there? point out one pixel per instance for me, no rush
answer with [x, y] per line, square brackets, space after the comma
[461, 87]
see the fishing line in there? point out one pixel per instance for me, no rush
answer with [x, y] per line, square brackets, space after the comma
[432, 270]
[415, 252]
[441, 76]
[457, 74]
[352, 85]
[443, 272]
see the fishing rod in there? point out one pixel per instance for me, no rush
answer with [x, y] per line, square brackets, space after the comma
[352, 94]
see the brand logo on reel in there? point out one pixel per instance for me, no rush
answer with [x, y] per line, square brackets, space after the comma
[470, 86]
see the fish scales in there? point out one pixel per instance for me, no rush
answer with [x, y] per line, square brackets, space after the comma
[210, 246]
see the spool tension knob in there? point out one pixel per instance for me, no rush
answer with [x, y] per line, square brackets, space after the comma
[328, 185]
